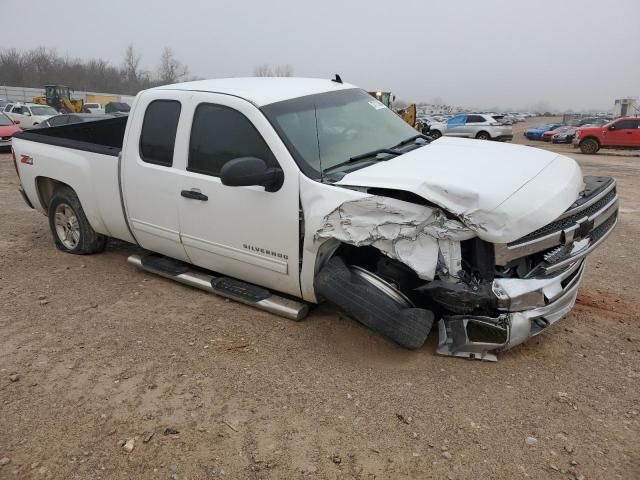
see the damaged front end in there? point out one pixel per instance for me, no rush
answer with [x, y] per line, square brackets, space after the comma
[535, 280]
[486, 297]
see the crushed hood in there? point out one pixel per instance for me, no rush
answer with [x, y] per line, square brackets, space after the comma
[501, 191]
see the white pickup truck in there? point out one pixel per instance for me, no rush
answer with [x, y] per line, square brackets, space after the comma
[281, 193]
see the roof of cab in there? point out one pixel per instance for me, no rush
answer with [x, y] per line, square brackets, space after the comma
[262, 90]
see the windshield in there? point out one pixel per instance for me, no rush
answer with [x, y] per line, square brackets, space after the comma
[42, 110]
[5, 121]
[328, 129]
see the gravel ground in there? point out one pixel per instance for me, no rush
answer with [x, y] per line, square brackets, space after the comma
[95, 353]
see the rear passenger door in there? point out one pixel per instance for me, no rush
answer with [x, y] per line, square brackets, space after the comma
[149, 177]
[474, 124]
[243, 232]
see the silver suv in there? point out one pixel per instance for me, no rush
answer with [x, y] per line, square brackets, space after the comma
[472, 125]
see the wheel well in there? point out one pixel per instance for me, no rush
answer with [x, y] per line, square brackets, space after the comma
[590, 138]
[483, 131]
[46, 187]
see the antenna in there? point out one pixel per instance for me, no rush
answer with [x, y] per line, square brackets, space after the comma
[337, 79]
[315, 113]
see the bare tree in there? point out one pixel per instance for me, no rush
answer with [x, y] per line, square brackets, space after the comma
[41, 66]
[283, 71]
[265, 70]
[170, 69]
[131, 65]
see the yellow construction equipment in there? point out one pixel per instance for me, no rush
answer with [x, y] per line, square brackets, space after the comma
[408, 114]
[386, 98]
[59, 97]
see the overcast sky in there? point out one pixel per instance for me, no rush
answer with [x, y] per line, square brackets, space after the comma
[570, 53]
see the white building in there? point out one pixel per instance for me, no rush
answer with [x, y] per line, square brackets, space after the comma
[626, 107]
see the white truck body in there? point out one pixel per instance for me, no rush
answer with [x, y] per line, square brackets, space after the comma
[281, 239]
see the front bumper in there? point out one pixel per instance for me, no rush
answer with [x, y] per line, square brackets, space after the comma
[525, 306]
[538, 304]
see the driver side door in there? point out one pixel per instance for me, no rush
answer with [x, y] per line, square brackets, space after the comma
[624, 133]
[242, 231]
[456, 126]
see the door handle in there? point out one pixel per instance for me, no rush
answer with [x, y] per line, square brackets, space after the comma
[192, 194]
[629, 133]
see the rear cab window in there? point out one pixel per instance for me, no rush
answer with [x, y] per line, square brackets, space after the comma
[158, 135]
[220, 134]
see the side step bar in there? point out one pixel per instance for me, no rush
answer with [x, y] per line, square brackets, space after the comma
[224, 286]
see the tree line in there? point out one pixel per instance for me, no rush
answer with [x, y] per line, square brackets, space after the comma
[44, 66]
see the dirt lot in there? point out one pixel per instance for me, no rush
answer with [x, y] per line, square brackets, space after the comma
[104, 352]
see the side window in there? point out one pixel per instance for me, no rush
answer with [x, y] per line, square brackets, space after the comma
[17, 110]
[625, 124]
[158, 136]
[475, 119]
[220, 134]
[456, 121]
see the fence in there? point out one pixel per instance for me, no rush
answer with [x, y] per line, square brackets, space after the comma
[25, 94]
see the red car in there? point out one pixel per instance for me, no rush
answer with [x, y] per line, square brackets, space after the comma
[621, 133]
[546, 136]
[8, 128]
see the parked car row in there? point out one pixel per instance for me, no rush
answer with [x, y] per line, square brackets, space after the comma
[621, 133]
[28, 114]
[468, 125]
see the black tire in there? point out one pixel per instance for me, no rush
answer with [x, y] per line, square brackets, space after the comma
[589, 146]
[88, 241]
[483, 135]
[435, 134]
[408, 327]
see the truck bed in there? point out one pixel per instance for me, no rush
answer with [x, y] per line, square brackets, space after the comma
[102, 136]
[84, 156]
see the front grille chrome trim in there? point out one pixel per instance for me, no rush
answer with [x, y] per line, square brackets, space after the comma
[506, 252]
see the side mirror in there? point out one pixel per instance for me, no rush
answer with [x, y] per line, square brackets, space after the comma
[17, 122]
[612, 127]
[26, 114]
[246, 171]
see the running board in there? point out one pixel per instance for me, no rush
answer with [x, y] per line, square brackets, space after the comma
[224, 286]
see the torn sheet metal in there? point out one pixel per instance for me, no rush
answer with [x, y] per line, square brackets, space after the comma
[415, 235]
[500, 191]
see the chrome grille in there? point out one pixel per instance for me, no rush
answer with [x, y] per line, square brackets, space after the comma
[591, 218]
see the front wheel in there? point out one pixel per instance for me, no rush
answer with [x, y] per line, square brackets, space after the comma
[589, 145]
[72, 232]
[435, 134]
[483, 136]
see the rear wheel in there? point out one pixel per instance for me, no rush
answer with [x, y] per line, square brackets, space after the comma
[589, 145]
[483, 136]
[71, 230]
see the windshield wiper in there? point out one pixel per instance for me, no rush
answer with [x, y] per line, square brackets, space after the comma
[362, 156]
[413, 139]
[373, 153]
